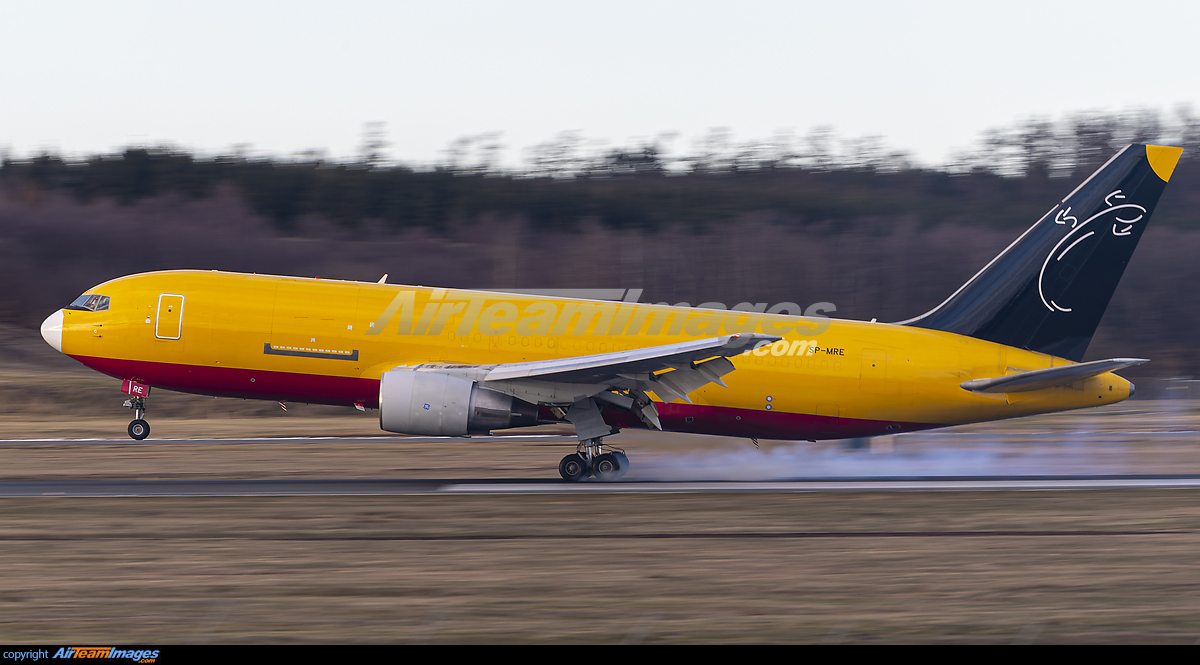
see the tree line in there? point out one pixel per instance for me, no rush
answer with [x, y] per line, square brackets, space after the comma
[855, 224]
[1011, 175]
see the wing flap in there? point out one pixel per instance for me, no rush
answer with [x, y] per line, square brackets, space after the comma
[606, 367]
[1049, 377]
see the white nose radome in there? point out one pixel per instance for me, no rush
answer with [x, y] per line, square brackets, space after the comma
[52, 330]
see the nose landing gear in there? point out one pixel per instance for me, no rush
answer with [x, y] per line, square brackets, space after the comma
[591, 460]
[139, 428]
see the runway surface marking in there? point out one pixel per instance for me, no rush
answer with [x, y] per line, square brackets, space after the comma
[872, 485]
[323, 487]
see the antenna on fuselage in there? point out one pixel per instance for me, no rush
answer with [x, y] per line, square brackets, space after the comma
[382, 279]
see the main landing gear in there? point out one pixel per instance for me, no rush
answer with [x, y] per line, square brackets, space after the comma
[139, 428]
[589, 459]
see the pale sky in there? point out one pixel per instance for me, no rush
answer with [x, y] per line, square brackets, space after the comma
[79, 77]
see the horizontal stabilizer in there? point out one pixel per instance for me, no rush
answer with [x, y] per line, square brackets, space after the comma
[1049, 377]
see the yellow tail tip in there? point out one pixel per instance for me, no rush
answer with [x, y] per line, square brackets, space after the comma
[1163, 160]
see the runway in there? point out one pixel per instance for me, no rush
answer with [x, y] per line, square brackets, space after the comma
[1098, 437]
[176, 462]
[370, 487]
[389, 538]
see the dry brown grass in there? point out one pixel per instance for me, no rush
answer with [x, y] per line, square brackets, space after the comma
[854, 567]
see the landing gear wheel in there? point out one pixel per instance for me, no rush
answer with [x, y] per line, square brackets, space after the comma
[573, 467]
[139, 429]
[624, 461]
[607, 467]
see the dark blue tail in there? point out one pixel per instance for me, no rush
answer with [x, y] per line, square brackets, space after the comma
[1047, 291]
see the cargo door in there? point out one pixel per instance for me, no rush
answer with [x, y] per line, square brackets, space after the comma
[874, 376]
[169, 319]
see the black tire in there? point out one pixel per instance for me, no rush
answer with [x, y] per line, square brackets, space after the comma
[624, 460]
[607, 467]
[139, 429]
[573, 467]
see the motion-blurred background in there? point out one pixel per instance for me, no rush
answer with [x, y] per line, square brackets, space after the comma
[897, 150]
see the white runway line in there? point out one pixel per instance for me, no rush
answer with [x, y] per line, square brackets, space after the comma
[826, 486]
[308, 488]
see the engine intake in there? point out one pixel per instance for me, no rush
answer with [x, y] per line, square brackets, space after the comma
[436, 404]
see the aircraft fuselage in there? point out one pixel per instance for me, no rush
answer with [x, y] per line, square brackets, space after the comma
[328, 342]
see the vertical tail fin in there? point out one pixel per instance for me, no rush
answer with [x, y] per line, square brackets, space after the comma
[1047, 291]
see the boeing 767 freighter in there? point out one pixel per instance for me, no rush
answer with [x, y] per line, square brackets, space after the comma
[446, 362]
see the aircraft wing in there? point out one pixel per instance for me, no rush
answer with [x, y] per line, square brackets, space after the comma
[696, 363]
[1048, 377]
[607, 366]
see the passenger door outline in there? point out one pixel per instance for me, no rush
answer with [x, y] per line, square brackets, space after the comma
[173, 319]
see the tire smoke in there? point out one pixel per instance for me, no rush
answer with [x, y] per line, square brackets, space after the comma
[906, 455]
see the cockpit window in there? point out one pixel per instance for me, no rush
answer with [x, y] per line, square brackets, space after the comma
[90, 302]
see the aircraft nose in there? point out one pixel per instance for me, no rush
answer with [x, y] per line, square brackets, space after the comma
[52, 329]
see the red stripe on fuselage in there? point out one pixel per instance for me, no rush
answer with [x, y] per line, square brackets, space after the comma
[346, 391]
[244, 383]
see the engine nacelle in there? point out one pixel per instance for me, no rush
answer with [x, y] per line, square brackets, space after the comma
[436, 404]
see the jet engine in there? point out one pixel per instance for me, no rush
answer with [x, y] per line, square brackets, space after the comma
[436, 404]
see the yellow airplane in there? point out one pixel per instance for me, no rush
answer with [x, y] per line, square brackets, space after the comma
[446, 362]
